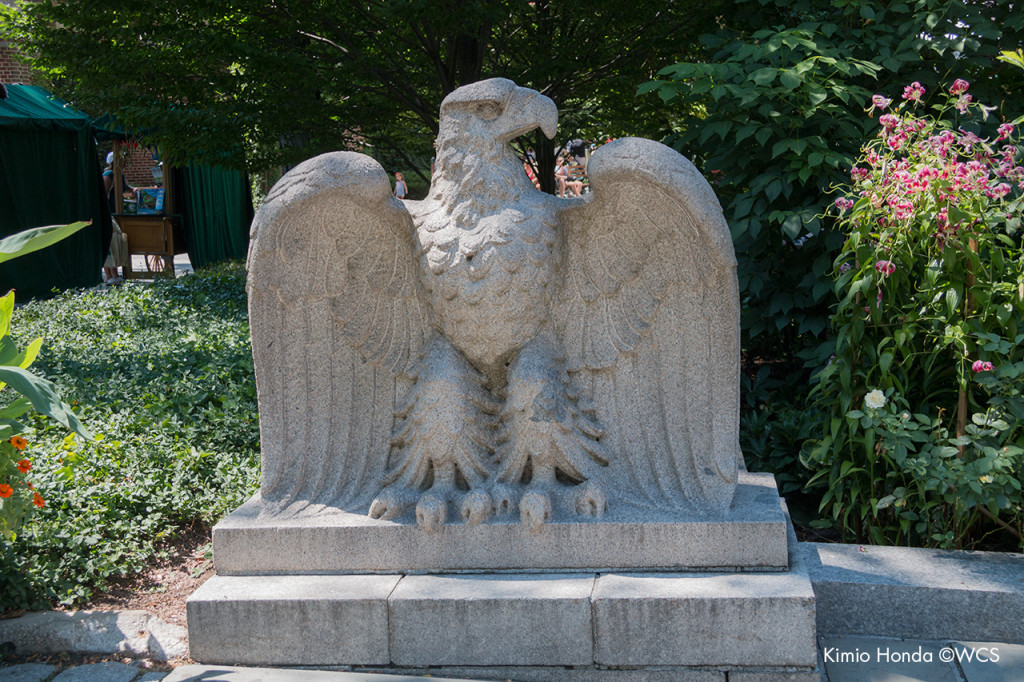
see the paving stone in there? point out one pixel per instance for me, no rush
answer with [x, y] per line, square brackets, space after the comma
[855, 659]
[99, 672]
[777, 676]
[214, 673]
[150, 677]
[1009, 667]
[541, 673]
[27, 672]
[492, 620]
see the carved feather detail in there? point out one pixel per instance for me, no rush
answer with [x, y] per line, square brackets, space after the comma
[649, 284]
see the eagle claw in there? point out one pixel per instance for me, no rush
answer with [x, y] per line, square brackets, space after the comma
[589, 500]
[535, 510]
[431, 512]
[391, 502]
[475, 507]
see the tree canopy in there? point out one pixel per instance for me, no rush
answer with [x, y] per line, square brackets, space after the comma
[255, 83]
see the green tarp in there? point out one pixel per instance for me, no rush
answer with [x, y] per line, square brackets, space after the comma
[49, 175]
[217, 207]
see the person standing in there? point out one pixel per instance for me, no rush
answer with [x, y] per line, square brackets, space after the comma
[400, 189]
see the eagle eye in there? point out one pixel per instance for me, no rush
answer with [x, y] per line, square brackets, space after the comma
[488, 111]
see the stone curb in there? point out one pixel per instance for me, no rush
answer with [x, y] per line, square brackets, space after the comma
[907, 592]
[133, 633]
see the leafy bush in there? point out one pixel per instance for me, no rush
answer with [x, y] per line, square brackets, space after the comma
[926, 420]
[772, 432]
[163, 375]
[781, 96]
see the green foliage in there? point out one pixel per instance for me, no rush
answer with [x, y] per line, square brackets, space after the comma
[773, 431]
[257, 84]
[925, 428]
[163, 375]
[780, 124]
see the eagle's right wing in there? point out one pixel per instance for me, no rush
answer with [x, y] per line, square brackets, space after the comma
[336, 316]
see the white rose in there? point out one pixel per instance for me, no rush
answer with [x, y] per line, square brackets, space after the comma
[874, 400]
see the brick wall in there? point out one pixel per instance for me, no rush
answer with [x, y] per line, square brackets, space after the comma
[12, 70]
[138, 167]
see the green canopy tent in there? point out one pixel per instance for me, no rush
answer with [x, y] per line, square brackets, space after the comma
[50, 174]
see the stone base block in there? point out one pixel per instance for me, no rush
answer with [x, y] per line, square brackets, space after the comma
[751, 536]
[492, 620]
[291, 620]
[627, 626]
[707, 619]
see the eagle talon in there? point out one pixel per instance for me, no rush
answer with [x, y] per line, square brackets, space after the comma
[535, 510]
[391, 503]
[431, 512]
[475, 507]
[503, 499]
[589, 500]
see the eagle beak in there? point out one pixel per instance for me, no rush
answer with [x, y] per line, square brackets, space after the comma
[528, 110]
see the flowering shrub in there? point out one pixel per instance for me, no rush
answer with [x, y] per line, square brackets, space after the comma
[17, 494]
[927, 420]
[27, 391]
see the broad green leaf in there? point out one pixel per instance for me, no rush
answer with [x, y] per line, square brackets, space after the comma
[35, 239]
[764, 75]
[44, 398]
[8, 351]
[793, 225]
[649, 86]
[16, 409]
[885, 361]
[6, 310]
[28, 356]
[817, 97]
[789, 79]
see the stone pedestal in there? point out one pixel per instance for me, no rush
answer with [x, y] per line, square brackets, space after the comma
[565, 623]
[750, 536]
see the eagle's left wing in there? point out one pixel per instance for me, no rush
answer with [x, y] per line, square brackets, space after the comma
[649, 316]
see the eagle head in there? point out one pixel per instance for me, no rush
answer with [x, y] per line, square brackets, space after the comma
[496, 109]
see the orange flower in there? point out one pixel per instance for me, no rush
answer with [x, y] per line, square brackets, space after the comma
[6, 490]
[24, 466]
[38, 500]
[18, 442]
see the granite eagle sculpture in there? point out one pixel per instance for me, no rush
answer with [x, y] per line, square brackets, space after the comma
[493, 349]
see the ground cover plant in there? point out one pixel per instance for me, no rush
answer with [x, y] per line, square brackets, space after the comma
[162, 376]
[924, 437]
